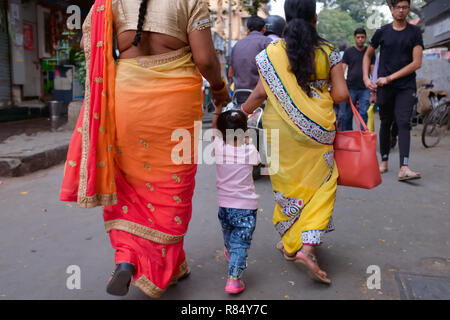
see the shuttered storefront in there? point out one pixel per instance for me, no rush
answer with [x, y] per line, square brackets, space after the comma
[5, 73]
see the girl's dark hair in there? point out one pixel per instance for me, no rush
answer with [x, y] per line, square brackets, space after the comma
[231, 120]
[302, 40]
[141, 19]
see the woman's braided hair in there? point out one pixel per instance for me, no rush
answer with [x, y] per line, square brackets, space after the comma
[141, 19]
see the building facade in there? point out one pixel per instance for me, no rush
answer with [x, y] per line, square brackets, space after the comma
[35, 45]
[436, 14]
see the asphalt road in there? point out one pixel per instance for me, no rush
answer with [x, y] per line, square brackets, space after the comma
[400, 228]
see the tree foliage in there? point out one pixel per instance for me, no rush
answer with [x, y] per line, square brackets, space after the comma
[357, 9]
[336, 26]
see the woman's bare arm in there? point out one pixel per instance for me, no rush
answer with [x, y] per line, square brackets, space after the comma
[206, 59]
[255, 99]
[205, 56]
[339, 91]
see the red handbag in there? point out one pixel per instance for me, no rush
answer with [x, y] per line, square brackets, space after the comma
[355, 153]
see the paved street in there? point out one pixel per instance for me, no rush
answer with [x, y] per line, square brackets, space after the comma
[401, 227]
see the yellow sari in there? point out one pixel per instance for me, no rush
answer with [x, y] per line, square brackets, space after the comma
[305, 183]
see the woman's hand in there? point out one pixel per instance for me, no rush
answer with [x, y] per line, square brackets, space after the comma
[221, 96]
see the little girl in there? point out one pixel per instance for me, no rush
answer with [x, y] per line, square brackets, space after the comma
[237, 199]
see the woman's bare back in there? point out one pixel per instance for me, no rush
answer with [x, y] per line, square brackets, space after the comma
[151, 43]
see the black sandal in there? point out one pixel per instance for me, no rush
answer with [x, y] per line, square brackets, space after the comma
[120, 281]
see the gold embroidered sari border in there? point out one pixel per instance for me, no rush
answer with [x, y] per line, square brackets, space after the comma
[148, 287]
[82, 188]
[152, 290]
[142, 231]
[184, 270]
[97, 200]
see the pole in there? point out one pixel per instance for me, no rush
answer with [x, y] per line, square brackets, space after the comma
[229, 31]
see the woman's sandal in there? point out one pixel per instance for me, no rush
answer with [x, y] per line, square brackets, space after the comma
[311, 266]
[120, 280]
[415, 175]
[285, 254]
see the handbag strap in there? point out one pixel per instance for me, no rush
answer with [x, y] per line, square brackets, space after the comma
[357, 116]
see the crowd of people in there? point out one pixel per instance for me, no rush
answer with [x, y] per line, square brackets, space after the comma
[121, 154]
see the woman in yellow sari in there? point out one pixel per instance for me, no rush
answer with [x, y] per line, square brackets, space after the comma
[301, 77]
[123, 154]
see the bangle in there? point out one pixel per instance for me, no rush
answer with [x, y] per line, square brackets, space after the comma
[245, 112]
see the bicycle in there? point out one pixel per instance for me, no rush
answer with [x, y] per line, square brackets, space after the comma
[435, 123]
[423, 87]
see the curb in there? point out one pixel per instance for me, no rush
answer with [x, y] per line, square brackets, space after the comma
[20, 166]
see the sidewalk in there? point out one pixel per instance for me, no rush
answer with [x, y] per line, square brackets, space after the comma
[30, 145]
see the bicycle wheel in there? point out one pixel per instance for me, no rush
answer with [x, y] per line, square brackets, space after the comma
[432, 131]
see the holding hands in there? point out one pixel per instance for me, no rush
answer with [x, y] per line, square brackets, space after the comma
[221, 98]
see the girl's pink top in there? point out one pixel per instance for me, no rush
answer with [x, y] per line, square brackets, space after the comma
[234, 180]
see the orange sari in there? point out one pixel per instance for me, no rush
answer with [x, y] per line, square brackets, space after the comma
[151, 189]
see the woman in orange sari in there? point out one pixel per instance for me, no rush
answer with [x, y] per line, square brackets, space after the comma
[123, 151]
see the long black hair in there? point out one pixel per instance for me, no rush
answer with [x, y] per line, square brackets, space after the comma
[141, 19]
[302, 40]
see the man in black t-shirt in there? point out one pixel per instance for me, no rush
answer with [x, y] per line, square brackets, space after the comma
[401, 49]
[353, 58]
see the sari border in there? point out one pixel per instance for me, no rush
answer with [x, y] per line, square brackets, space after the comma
[148, 287]
[156, 60]
[314, 237]
[183, 272]
[82, 200]
[306, 125]
[142, 231]
[97, 200]
[152, 290]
